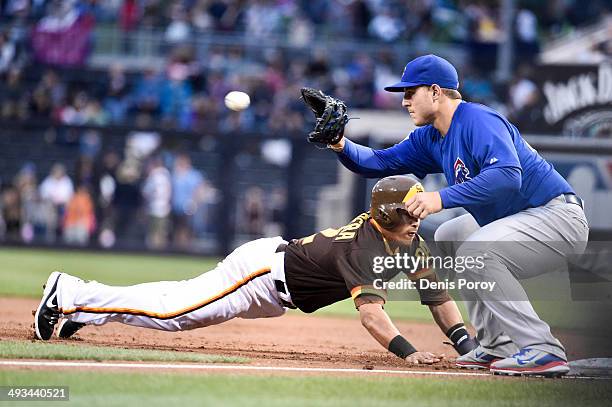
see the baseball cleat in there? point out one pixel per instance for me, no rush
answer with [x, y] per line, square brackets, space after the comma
[67, 328]
[477, 358]
[47, 313]
[531, 362]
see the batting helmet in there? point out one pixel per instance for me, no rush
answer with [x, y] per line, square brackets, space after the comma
[388, 197]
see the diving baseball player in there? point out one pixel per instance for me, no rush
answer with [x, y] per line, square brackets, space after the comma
[264, 277]
[511, 193]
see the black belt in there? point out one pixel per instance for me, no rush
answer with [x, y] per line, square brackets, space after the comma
[281, 286]
[572, 199]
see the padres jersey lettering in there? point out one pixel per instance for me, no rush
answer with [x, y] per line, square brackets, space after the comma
[327, 267]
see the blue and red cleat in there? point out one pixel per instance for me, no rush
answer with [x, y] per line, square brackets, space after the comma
[531, 362]
[477, 358]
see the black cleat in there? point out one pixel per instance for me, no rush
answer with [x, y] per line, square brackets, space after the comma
[67, 328]
[47, 313]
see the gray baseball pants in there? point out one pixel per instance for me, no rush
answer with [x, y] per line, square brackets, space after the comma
[533, 241]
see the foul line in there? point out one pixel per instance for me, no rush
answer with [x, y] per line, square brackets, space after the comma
[53, 364]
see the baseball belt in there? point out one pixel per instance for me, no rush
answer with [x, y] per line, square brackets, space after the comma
[572, 199]
[280, 285]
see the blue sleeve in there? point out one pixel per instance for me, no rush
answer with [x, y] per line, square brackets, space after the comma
[483, 189]
[409, 156]
[490, 138]
[490, 142]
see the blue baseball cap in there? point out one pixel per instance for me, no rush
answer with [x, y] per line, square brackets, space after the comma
[427, 70]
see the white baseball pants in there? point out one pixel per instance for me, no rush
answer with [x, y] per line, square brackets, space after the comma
[242, 285]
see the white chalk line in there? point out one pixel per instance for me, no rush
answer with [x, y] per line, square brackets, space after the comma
[181, 366]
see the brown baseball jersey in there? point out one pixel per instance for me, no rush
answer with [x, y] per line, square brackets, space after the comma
[336, 264]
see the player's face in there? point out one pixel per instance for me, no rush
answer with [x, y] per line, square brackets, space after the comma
[405, 232]
[417, 100]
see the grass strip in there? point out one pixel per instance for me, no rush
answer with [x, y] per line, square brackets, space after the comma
[62, 351]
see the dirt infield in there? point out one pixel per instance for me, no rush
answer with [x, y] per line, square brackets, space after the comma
[290, 340]
[293, 340]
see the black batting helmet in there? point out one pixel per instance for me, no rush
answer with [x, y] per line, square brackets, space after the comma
[388, 197]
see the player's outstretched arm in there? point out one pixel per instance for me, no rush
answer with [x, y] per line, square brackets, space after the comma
[377, 322]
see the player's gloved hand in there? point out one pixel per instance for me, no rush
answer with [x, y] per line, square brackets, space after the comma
[426, 358]
[331, 115]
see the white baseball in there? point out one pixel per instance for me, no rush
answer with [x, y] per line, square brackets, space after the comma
[237, 101]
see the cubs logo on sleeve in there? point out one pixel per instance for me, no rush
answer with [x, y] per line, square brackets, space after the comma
[462, 173]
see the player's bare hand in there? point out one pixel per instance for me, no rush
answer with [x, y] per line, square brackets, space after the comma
[424, 204]
[425, 358]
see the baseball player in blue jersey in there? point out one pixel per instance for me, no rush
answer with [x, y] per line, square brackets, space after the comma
[510, 192]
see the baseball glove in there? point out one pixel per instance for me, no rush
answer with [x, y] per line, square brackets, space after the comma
[331, 115]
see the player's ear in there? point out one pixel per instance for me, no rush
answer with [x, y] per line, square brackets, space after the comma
[436, 91]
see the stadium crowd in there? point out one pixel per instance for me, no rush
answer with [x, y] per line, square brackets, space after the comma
[188, 91]
[46, 80]
[166, 205]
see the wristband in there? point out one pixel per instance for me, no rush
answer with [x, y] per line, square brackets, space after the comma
[457, 333]
[401, 347]
[335, 149]
[462, 342]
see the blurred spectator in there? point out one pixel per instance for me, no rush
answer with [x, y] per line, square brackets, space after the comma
[117, 90]
[475, 87]
[84, 170]
[157, 193]
[262, 18]
[89, 144]
[185, 182]
[523, 95]
[39, 216]
[129, 16]
[252, 218]
[126, 202]
[103, 194]
[201, 19]
[206, 198]
[57, 189]
[178, 30]
[203, 116]
[175, 95]
[7, 53]
[10, 206]
[41, 104]
[277, 205]
[76, 112]
[79, 219]
[527, 41]
[27, 187]
[146, 93]
[51, 86]
[301, 32]
[95, 114]
[142, 140]
[14, 103]
[361, 81]
[386, 26]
